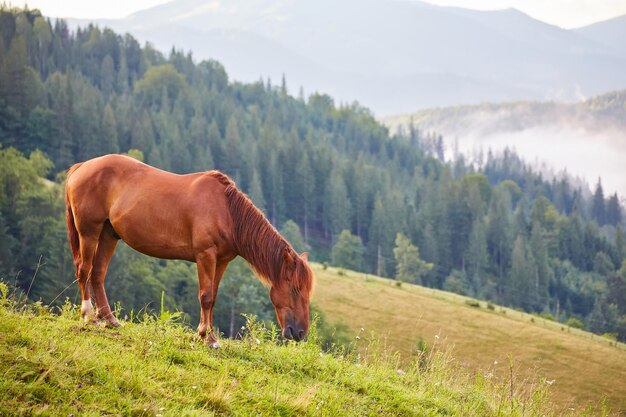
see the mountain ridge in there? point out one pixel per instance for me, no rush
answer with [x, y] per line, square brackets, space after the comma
[390, 45]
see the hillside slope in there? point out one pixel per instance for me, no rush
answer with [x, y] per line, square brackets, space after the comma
[55, 365]
[581, 368]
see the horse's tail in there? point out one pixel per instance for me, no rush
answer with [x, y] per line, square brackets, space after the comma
[72, 232]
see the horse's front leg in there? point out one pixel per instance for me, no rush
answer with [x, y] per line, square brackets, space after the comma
[209, 276]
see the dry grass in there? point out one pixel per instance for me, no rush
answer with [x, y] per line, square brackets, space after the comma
[584, 368]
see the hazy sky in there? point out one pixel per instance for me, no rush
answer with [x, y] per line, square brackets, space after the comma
[564, 13]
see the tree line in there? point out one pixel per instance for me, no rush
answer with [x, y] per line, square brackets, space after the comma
[331, 177]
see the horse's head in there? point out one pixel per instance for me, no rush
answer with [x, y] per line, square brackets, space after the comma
[290, 295]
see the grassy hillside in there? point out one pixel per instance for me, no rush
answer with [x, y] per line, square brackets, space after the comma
[580, 368]
[53, 364]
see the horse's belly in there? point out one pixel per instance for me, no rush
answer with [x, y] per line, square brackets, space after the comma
[156, 236]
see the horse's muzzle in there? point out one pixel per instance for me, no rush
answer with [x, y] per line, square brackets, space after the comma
[294, 332]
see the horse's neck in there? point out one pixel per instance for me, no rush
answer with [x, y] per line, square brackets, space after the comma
[262, 246]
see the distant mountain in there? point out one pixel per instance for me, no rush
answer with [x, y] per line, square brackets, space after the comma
[611, 33]
[599, 113]
[391, 55]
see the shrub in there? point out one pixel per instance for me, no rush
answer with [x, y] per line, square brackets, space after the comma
[574, 322]
[472, 303]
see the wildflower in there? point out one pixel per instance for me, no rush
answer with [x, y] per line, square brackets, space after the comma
[357, 338]
[400, 372]
[80, 385]
[550, 382]
[194, 387]
[436, 336]
[495, 362]
[258, 342]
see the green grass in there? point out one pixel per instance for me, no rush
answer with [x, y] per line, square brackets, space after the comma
[582, 369]
[53, 364]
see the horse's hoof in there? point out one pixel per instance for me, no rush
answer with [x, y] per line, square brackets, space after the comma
[87, 311]
[111, 321]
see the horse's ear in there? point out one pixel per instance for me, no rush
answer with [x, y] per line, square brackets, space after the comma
[288, 257]
[305, 256]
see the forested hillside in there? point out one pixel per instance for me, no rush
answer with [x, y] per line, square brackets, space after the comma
[356, 195]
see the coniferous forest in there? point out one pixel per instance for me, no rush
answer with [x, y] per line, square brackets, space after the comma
[333, 179]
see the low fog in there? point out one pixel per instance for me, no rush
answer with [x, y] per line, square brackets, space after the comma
[555, 149]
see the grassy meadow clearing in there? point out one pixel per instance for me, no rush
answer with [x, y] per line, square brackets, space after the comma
[52, 364]
[415, 351]
[579, 368]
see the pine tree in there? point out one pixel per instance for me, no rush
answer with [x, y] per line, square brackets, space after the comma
[256, 191]
[308, 193]
[379, 236]
[216, 146]
[477, 258]
[66, 124]
[348, 251]
[498, 237]
[613, 211]
[43, 34]
[109, 131]
[542, 273]
[232, 149]
[598, 210]
[142, 134]
[338, 210]
[107, 76]
[518, 289]
[291, 232]
[409, 266]
[122, 73]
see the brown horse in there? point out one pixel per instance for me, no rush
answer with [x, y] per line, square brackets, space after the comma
[200, 217]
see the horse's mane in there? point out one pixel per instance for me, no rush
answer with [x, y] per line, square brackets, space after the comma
[258, 242]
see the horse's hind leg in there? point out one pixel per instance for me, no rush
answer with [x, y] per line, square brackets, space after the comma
[106, 247]
[84, 265]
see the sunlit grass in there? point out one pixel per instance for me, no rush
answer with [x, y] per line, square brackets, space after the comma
[53, 364]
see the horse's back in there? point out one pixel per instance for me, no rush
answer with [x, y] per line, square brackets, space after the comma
[103, 170]
[146, 205]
